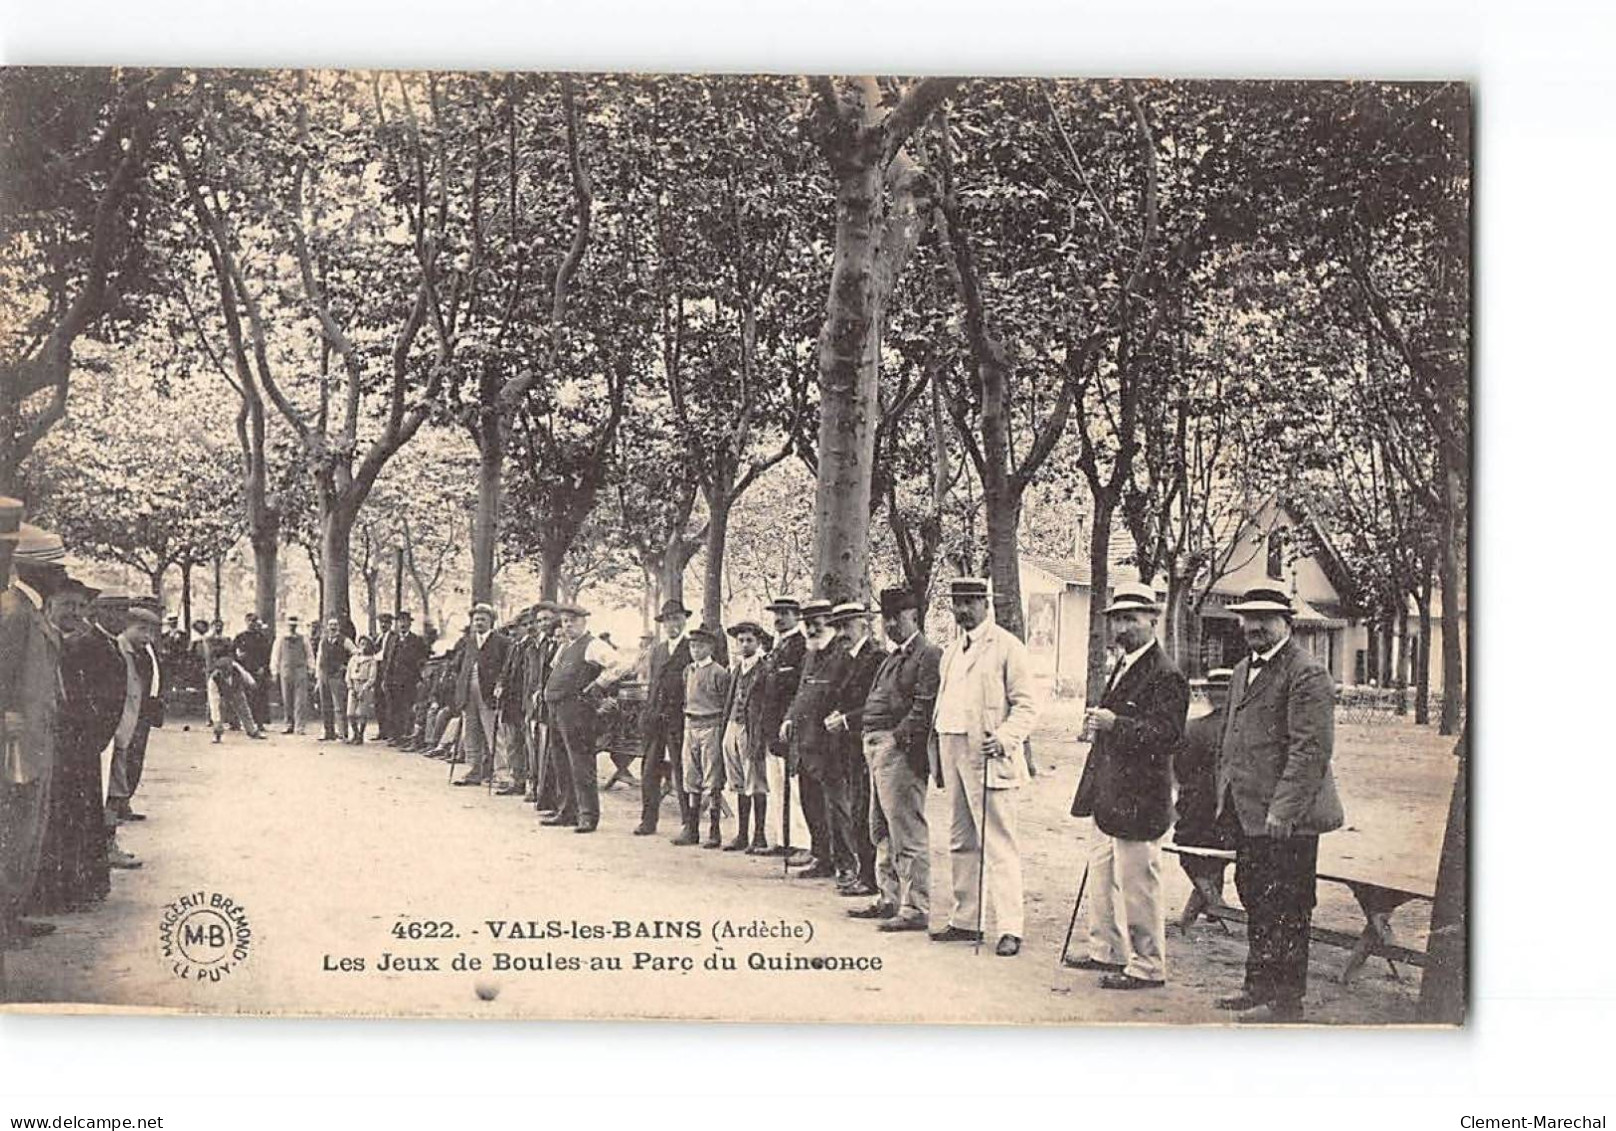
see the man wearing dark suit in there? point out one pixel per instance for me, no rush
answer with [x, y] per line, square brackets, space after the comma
[779, 687]
[895, 722]
[386, 641]
[30, 702]
[1277, 794]
[400, 674]
[817, 752]
[852, 800]
[1127, 787]
[253, 648]
[480, 666]
[663, 728]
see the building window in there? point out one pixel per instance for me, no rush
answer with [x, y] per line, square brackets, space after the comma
[1276, 554]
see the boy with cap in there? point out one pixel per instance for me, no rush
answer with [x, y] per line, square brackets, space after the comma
[745, 741]
[706, 689]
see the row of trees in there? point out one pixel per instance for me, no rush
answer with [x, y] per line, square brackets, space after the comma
[594, 313]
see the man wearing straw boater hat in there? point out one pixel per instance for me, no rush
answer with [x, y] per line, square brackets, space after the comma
[985, 713]
[814, 749]
[30, 691]
[1127, 787]
[142, 707]
[1276, 793]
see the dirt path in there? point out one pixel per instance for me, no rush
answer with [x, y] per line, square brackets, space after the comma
[328, 848]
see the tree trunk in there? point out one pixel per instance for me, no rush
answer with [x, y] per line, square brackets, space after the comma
[712, 591]
[1099, 596]
[847, 391]
[551, 560]
[218, 586]
[336, 562]
[1004, 561]
[266, 550]
[1402, 656]
[1448, 573]
[485, 524]
[1422, 667]
[671, 582]
[1173, 625]
[185, 593]
[1445, 984]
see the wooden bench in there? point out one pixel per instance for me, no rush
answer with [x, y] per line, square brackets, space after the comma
[1376, 901]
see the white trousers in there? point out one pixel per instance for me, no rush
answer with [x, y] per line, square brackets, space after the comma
[982, 826]
[1127, 919]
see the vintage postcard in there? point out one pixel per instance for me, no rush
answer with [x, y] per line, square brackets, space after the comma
[734, 547]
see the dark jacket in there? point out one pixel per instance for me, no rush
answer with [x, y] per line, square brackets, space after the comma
[665, 683]
[1195, 767]
[780, 686]
[402, 663]
[489, 660]
[1277, 744]
[823, 673]
[850, 696]
[1127, 783]
[746, 699]
[904, 692]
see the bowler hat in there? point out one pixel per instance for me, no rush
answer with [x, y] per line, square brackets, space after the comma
[672, 609]
[1133, 597]
[895, 600]
[1264, 599]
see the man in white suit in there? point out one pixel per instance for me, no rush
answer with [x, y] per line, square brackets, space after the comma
[984, 716]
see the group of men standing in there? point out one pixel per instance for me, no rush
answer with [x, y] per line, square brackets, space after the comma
[81, 686]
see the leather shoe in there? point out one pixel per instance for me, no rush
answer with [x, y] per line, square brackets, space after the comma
[736, 845]
[952, 933]
[817, 872]
[1240, 1002]
[1129, 982]
[857, 888]
[559, 820]
[1274, 1013]
[128, 814]
[1009, 946]
[874, 911]
[1093, 964]
[643, 829]
[473, 780]
[586, 827]
[903, 923]
[508, 791]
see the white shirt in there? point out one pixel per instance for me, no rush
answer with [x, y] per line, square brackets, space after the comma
[156, 672]
[859, 647]
[1128, 660]
[1267, 658]
[744, 664]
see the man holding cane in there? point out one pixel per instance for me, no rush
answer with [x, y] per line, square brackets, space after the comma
[985, 714]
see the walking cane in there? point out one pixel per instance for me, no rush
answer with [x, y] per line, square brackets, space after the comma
[1070, 927]
[785, 820]
[981, 856]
